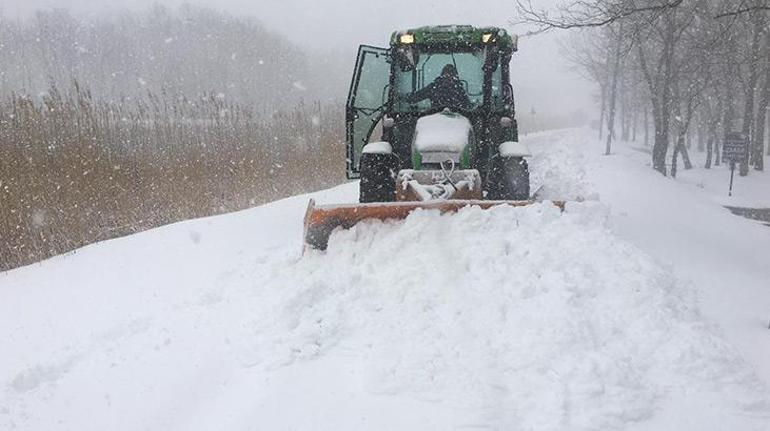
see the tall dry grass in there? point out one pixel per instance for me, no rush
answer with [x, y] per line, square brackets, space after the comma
[75, 170]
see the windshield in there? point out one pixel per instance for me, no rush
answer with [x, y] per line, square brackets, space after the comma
[411, 79]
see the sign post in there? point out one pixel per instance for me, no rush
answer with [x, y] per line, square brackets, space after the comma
[736, 150]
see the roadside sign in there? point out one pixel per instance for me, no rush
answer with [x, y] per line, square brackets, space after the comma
[735, 149]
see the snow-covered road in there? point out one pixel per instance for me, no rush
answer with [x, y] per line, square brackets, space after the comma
[640, 308]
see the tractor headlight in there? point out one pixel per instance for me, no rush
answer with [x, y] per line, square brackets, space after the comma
[406, 38]
[487, 37]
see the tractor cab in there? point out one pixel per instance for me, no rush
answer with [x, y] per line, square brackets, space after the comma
[387, 83]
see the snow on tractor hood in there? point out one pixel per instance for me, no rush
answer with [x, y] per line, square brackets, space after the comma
[443, 132]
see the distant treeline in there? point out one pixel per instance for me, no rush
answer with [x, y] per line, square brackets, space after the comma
[188, 50]
[75, 169]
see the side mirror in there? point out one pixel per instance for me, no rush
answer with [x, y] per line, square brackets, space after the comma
[388, 122]
[506, 122]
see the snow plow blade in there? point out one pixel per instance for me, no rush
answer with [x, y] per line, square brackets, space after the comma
[321, 221]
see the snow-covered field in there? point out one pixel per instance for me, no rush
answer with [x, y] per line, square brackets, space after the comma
[644, 306]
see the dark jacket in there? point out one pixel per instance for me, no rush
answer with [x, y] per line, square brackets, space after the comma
[445, 91]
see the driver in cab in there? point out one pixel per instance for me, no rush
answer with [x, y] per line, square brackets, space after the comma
[445, 91]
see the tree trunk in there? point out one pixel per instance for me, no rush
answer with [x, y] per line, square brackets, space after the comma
[686, 157]
[674, 159]
[604, 91]
[614, 90]
[646, 127]
[751, 87]
[728, 117]
[757, 150]
[767, 127]
[685, 134]
[659, 84]
[681, 144]
[680, 148]
[660, 147]
[711, 133]
[728, 114]
[604, 109]
[662, 128]
[626, 120]
[701, 132]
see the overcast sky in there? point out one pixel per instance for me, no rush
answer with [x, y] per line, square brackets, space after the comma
[542, 78]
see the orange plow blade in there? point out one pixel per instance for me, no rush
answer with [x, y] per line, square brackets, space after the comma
[321, 221]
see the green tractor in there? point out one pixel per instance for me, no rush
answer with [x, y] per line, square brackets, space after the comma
[442, 101]
[420, 137]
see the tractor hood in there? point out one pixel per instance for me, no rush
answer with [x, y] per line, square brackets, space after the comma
[445, 132]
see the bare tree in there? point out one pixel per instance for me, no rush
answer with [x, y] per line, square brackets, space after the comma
[758, 140]
[617, 54]
[591, 53]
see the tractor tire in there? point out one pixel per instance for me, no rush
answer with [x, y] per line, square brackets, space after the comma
[378, 178]
[508, 179]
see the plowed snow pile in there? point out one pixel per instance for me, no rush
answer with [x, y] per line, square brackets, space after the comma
[521, 318]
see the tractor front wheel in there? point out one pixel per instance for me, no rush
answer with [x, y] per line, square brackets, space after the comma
[508, 179]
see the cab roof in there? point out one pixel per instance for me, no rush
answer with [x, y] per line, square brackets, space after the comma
[457, 34]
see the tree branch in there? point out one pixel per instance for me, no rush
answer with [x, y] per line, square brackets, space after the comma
[585, 14]
[742, 11]
[743, 7]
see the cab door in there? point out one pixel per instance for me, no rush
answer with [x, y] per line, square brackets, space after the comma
[366, 102]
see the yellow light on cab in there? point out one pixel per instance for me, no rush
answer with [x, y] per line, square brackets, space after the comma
[486, 37]
[407, 38]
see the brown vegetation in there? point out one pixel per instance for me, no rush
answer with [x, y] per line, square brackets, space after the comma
[75, 170]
